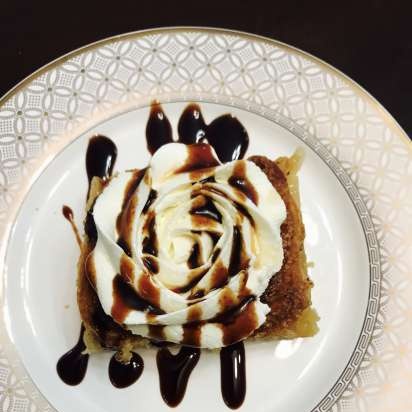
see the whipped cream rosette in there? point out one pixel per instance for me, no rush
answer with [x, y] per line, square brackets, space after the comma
[186, 247]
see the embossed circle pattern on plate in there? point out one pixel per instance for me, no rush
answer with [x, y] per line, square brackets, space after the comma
[47, 112]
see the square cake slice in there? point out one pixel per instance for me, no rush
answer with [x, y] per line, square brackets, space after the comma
[288, 293]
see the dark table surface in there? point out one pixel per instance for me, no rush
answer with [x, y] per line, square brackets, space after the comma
[369, 40]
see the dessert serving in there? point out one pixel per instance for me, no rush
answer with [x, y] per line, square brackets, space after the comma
[200, 249]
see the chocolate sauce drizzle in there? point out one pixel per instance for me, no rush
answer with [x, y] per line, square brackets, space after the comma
[128, 205]
[233, 374]
[207, 210]
[158, 128]
[101, 156]
[237, 259]
[69, 216]
[240, 181]
[90, 227]
[150, 244]
[226, 134]
[191, 127]
[67, 213]
[194, 257]
[72, 366]
[174, 372]
[230, 141]
[122, 374]
[127, 299]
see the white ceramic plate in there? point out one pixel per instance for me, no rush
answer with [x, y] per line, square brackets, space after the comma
[354, 185]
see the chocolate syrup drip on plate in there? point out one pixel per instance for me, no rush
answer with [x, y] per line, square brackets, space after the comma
[228, 137]
[158, 128]
[67, 213]
[191, 126]
[174, 372]
[233, 374]
[72, 366]
[122, 374]
[69, 216]
[101, 156]
[226, 134]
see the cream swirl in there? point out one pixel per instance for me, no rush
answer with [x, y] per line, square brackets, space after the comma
[186, 247]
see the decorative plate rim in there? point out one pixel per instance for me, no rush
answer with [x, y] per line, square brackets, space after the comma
[372, 308]
[207, 29]
[386, 118]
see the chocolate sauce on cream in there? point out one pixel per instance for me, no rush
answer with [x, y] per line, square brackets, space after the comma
[241, 209]
[200, 156]
[194, 257]
[240, 182]
[219, 275]
[192, 335]
[174, 372]
[72, 366]
[150, 199]
[227, 317]
[122, 374]
[206, 209]
[124, 219]
[233, 374]
[237, 258]
[150, 244]
[189, 286]
[156, 333]
[214, 236]
[151, 264]
[124, 244]
[126, 299]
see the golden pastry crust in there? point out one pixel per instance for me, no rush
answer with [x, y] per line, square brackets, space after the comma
[288, 293]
